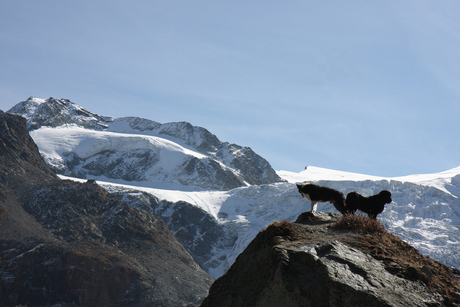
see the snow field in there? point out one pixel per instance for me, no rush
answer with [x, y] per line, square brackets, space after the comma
[423, 213]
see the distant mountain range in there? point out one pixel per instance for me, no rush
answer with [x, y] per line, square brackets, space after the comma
[215, 196]
[79, 143]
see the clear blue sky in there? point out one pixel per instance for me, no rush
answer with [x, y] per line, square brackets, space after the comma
[362, 86]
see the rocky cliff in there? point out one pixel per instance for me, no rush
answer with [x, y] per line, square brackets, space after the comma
[322, 261]
[201, 234]
[74, 244]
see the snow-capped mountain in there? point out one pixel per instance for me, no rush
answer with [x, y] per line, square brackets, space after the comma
[214, 196]
[78, 143]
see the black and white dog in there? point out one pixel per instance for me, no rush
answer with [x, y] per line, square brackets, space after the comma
[372, 205]
[316, 194]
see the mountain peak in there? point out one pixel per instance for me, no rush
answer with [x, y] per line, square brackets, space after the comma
[53, 112]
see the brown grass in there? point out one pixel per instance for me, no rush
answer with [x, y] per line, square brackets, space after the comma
[361, 223]
[289, 231]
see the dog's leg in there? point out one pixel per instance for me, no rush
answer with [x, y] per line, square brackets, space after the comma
[339, 205]
[314, 204]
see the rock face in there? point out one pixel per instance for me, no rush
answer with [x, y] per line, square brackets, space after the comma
[338, 275]
[74, 244]
[200, 233]
[315, 264]
[215, 166]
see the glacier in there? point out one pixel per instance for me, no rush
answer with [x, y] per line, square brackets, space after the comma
[78, 143]
[425, 211]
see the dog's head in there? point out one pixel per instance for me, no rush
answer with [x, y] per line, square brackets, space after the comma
[299, 187]
[385, 196]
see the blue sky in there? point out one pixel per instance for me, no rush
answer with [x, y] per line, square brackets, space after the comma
[364, 86]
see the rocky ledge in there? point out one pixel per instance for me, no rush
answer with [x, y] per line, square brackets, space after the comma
[327, 260]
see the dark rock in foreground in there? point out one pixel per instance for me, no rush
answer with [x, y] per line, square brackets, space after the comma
[314, 263]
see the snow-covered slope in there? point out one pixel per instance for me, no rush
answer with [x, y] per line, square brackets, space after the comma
[127, 157]
[79, 143]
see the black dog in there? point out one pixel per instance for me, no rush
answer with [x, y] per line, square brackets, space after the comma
[372, 205]
[316, 194]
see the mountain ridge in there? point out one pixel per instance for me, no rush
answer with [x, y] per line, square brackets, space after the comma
[226, 165]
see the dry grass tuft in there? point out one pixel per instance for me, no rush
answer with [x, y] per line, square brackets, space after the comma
[360, 222]
[287, 230]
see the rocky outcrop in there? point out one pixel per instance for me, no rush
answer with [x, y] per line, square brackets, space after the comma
[334, 274]
[254, 168]
[314, 263]
[74, 244]
[18, 151]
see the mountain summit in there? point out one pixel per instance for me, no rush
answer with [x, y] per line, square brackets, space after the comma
[79, 143]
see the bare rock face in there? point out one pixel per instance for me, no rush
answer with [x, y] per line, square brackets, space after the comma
[198, 231]
[48, 273]
[18, 152]
[74, 244]
[315, 264]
